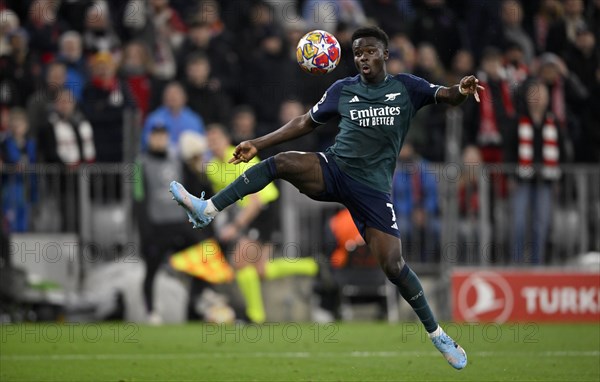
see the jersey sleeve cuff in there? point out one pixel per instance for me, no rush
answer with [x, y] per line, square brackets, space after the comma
[313, 118]
[435, 94]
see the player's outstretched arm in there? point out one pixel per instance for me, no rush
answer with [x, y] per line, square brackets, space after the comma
[295, 128]
[457, 94]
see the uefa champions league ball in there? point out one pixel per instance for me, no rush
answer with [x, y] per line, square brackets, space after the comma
[318, 52]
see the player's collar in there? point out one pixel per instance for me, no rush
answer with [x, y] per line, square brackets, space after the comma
[379, 84]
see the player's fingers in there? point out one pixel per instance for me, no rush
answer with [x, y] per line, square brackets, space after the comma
[234, 156]
[479, 87]
[476, 96]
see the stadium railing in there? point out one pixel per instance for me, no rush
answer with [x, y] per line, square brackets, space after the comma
[94, 201]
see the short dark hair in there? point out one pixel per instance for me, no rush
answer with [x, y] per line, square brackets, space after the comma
[373, 31]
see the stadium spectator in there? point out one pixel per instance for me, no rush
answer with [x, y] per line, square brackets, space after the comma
[428, 64]
[469, 227]
[71, 54]
[44, 29]
[289, 110]
[105, 100]
[40, 103]
[583, 57]
[462, 63]
[161, 229]
[593, 17]
[548, 13]
[511, 30]
[19, 185]
[169, 32]
[567, 100]
[137, 71]
[99, 35]
[536, 145]
[71, 13]
[217, 47]
[591, 147]
[209, 11]
[516, 69]
[243, 124]
[68, 137]
[19, 69]
[267, 76]
[403, 46]
[480, 17]
[206, 97]
[437, 24]
[415, 198]
[395, 64]
[9, 21]
[486, 127]
[583, 60]
[496, 110]
[132, 21]
[193, 149]
[256, 22]
[174, 115]
[392, 16]
[429, 132]
[563, 32]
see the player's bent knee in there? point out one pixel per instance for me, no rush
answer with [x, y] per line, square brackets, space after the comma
[392, 265]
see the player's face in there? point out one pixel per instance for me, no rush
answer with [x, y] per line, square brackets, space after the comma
[369, 58]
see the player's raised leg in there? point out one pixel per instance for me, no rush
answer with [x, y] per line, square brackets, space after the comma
[388, 250]
[303, 170]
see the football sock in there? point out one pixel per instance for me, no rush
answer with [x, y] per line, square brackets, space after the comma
[411, 290]
[279, 268]
[252, 180]
[210, 209]
[249, 284]
[437, 332]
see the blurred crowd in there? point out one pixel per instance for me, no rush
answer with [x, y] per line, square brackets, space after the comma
[70, 70]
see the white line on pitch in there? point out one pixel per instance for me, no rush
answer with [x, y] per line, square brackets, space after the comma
[355, 354]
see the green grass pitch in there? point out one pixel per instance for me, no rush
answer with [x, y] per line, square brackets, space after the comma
[295, 352]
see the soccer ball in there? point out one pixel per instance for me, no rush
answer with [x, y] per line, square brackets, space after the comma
[318, 52]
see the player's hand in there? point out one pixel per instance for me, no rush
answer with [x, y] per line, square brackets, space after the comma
[470, 85]
[244, 152]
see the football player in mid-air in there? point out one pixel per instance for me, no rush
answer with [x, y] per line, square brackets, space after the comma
[375, 109]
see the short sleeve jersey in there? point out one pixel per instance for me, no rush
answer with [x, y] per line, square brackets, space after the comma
[374, 121]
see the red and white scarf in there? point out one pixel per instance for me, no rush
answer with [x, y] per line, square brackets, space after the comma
[550, 149]
[489, 134]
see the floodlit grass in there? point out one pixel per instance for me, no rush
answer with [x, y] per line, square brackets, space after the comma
[295, 352]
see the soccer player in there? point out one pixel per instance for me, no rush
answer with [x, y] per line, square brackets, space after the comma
[375, 109]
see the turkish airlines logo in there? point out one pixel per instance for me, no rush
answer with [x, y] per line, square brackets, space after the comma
[485, 296]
